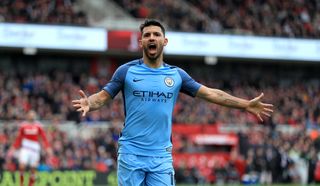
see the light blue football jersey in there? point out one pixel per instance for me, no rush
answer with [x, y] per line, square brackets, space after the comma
[149, 96]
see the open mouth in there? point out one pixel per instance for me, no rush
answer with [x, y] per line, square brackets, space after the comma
[152, 47]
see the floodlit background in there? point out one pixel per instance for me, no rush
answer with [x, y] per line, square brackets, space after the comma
[49, 49]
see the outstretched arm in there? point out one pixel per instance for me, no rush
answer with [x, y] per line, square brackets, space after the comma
[254, 106]
[95, 101]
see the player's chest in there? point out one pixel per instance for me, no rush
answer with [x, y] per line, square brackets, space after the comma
[31, 130]
[151, 82]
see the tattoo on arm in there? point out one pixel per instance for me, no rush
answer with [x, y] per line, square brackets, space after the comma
[220, 94]
[231, 102]
[95, 103]
[227, 101]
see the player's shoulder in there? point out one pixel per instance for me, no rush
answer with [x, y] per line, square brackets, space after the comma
[122, 69]
[132, 63]
[171, 66]
[24, 124]
[176, 68]
[38, 124]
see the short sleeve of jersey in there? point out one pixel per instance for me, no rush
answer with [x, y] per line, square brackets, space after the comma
[189, 85]
[117, 81]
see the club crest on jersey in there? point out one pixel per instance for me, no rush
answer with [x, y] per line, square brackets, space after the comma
[169, 81]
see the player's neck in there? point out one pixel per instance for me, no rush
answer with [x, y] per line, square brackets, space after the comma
[157, 63]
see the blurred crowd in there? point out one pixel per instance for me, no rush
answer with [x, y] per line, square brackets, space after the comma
[297, 18]
[264, 156]
[293, 90]
[295, 94]
[21, 92]
[77, 153]
[41, 11]
[268, 155]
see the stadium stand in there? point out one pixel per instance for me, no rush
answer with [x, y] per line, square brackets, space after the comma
[106, 13]
[266, 149]
[295, 103]
[45, 11]
[21, 90]
[267, 18]
[254, 17]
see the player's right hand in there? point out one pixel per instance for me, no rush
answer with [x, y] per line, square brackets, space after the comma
[82, 104]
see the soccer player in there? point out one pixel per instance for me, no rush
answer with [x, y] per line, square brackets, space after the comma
[28, 142]
[150, 88]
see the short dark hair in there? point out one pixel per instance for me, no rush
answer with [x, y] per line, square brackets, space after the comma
[152, 22]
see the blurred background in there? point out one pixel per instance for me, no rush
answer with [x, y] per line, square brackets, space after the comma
[49, 49]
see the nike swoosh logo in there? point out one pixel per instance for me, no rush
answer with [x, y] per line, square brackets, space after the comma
[136, 80]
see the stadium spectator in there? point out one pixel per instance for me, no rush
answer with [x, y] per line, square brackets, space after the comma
[44, 11]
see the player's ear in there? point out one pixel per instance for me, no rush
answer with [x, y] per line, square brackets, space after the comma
[165, 41]
[140, 43]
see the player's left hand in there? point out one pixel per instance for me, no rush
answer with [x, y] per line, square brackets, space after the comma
[259, 108]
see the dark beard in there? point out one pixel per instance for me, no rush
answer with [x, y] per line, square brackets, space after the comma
[152, 58]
